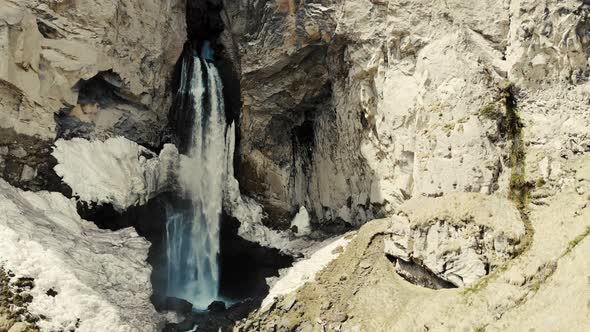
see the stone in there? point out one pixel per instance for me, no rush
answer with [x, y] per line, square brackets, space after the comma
[28, 173]
[360, 129]
[19, 327]
[178, 305]
[5, 322]
[56, 58]
[216, 306]
[457, 237]
[19, 152]
[51, 292]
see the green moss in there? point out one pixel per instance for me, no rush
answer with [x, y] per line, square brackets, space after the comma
[573, 243]
[540, 183]
[448, 128]
[490, 111]
[483, 282]
[463, 120]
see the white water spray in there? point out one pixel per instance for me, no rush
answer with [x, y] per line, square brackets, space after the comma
[193, 238]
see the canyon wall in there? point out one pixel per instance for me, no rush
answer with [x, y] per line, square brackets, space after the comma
[352, 107]
[90, 69]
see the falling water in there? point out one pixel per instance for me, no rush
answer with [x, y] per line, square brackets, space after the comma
[192, 237]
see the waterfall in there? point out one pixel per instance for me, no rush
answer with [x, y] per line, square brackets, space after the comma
[192, 237]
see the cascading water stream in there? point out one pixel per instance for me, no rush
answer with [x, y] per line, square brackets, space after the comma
[192, 237]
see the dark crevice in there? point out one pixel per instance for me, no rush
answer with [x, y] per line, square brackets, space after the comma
[47, 30]
[418, 275]
[244, 265]
[26, 162]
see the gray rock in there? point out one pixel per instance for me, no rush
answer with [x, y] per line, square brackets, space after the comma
[90, 56]
[19, 152]
[216, 306]
[28, 173]
[19, 327]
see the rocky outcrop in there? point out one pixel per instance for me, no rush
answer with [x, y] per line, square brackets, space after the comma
[541, 288]
[14, 298]
[84, 278]
[351, 107]
[84, 69]
[459, 238]
[92, 64]
[375, 112]
[117, 171]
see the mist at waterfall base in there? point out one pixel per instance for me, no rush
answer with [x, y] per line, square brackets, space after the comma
[192, 236]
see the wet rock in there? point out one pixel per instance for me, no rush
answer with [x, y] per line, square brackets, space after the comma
[178, 305]
[216, 306]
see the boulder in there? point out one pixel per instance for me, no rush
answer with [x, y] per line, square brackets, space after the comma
[178, 305]
[216, 306]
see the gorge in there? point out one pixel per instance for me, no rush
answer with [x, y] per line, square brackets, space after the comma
[294, 165]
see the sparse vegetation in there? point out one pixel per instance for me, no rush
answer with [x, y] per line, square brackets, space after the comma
[448, 128]
[483, 282]
[573, 243]
[491, 111]
[519, 189]
[540, 183]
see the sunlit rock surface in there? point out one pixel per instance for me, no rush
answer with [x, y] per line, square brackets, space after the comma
[351, 107]
[459, 237]
[543, 287]
[93, 63]
[101, 278]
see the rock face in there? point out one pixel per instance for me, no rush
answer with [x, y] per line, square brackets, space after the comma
[92, 69]
[459, 237]
[117, 171]
[351, 107]
[94, 64]
[356, 108]
[361, 290]
[44, 238]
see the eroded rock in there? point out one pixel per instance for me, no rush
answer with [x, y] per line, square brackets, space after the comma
[459, 237]
[104, 68]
